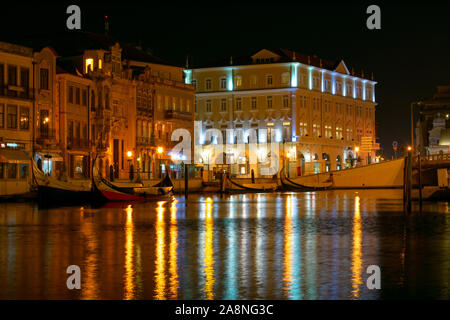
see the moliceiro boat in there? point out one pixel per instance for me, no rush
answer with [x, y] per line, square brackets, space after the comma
[229, 185]
[384, 175]
[52, 190]
[111, 191]
[301, 185]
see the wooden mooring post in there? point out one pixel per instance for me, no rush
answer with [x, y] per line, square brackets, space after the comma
[407, 190]
[186, 181]
[419, 166]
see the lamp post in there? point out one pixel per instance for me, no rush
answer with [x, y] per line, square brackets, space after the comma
[159, 150]
[356, 152]
[129, 155]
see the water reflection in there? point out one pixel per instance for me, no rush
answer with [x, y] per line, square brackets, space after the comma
[357, 253]
[312, 245]
[160, 275]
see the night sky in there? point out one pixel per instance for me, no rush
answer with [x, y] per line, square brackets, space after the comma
[409, 56]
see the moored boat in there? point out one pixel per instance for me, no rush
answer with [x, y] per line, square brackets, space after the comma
[234, 186]
[52, 191]
[111, 191]
[292, 185]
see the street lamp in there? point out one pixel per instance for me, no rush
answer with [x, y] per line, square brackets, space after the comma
[356, 152]
[159, 150]
[129, 155]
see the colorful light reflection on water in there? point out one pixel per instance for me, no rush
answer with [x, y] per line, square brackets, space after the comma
[314, 245]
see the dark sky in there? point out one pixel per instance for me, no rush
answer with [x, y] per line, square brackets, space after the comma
[409, 56]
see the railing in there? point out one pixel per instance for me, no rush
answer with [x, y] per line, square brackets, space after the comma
[45, 134]
[16, 92]
[145, 141]
[434, 157]
[173, 114]
[77, 143]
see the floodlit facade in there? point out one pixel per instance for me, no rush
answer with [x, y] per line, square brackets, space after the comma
[316, 111]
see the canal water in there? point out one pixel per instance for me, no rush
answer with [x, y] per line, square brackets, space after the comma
[313, 245]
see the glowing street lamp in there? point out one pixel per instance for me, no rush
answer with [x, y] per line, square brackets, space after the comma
[129, 154]
[356, 149]
[160, 150]
[409, 148]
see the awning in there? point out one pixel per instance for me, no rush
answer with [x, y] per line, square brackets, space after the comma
[50, 156]
[14, 156]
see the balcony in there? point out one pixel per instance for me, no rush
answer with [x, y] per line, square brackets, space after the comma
[46, 136]
[16, 92]
[77, 144]
[145, 141]
[174, 114]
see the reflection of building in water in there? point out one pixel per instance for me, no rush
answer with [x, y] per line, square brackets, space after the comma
[432, 130]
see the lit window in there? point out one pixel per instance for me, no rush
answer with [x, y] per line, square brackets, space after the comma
[285, 78]
[89, 65]
[100, 64]
[238, 81]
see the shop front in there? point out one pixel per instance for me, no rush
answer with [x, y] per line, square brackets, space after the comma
[15, 176]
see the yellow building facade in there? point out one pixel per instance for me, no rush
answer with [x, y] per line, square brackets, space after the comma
[318, 114]
[16, 121]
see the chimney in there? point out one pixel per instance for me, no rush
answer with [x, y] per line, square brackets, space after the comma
[187, 62]
[231, 60]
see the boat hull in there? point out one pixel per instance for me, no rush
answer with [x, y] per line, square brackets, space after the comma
[50, 195]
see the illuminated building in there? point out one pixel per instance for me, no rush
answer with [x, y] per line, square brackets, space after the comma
[16, 118]
[432, 129]
[316, 109]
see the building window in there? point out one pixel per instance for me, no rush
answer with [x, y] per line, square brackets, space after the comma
[188, 105]
[285, 78]
[223, 105]
[285, 101]
[24, 118]
[316, 130]
[328, 133]
[269, 80]
[208, 84]
[12, 75]
[84, 97]
[269, 102]
[166, 102]
[349, 110]
[223, 83]
[11, 170]
[338, 133]
[2, 170]
[25, 80]
[253, 81]
[2, 115]
[70, 95]
[303, 126]
[77, 96]
[44, 78]
[90, 65]
[23, 171]
[349, 134]
[254, 103]
[238, 104]
[238, 81]
[12, 117]
[208, 106]
[174, 103]
[194, 83]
